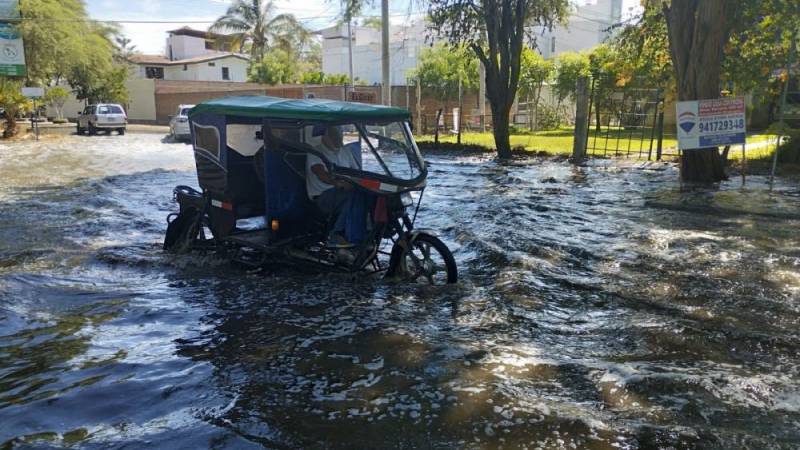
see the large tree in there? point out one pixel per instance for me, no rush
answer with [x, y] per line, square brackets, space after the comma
[495, 30]
[714, 45]
[62, 44]
[254, 22]
[535, 71]
[698, 33]
[442, 67]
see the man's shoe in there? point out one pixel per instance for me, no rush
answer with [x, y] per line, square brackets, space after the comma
[336, 240]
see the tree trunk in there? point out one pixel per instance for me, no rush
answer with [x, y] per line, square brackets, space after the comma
[11, 125]
[500, 130]
[698, 32]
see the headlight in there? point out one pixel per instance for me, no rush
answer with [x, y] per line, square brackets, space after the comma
[406, 199]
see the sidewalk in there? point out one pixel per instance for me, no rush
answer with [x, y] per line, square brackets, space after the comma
[69, 128]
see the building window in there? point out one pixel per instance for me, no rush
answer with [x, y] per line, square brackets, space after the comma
[226, 74]
[552, 45]
[185, 67]
[212, 64]
[209, 45]
[154, 72]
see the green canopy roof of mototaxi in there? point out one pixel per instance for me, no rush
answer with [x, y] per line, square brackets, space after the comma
[298, 109]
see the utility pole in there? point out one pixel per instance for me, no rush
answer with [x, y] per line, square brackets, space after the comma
[386, 89]
[350, 47]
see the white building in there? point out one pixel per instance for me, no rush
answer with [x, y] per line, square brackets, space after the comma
[193, 55]
[589, 25]
[405, 42]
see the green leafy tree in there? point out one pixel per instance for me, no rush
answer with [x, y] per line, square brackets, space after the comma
[570, 66]
[336, 78]
[13, 103]
[698, 49]
[59, 35]
[317, 77]
[535, 71]
[604, 67]
[255, 22]
[442, 67]
[95, 78]
[56, 97]
[312, 77]
[643, 53]
[277, 67]
[495, 31]
[63, 44]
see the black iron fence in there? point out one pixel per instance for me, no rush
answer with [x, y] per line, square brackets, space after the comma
[626, 122]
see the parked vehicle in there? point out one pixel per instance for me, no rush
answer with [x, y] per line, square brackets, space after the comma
[254, 208]
[106, 117]
[179, 124]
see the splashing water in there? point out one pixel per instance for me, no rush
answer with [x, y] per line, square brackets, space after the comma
[599, 307]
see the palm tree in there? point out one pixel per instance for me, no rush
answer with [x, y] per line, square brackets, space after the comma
[253, 21]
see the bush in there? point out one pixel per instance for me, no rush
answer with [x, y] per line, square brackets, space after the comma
[551, 118]
[61, 120]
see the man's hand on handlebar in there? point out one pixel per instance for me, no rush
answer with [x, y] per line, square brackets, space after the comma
[343, 184]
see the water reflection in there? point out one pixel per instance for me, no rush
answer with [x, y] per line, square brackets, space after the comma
[601, 307]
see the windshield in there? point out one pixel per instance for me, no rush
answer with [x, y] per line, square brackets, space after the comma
[389, 150]
[384, 148]
[109, 109]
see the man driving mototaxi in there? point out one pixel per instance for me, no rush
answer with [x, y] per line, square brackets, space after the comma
[333, 196]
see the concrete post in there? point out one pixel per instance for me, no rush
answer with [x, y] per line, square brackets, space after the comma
[482, 94]
[581, 120]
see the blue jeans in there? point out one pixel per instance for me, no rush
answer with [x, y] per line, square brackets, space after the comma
[350, 208]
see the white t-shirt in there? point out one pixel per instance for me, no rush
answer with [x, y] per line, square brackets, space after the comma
[341, 157]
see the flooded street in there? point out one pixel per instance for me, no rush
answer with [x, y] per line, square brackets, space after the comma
[598, 307]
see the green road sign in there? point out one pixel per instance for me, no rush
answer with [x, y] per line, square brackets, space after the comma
[9, 10]
[12, 52]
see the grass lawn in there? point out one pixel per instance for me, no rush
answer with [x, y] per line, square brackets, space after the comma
[560, 142]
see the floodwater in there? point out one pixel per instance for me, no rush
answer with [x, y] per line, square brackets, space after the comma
[599, 307]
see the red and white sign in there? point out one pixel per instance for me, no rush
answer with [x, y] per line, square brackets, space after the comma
[711, 123]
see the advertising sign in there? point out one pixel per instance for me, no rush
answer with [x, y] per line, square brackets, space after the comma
[12, 53]
[9, 10]
[711, 123]
[33, 92]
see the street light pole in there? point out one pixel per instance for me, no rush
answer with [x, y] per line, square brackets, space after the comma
[350, 47]
[386, 89]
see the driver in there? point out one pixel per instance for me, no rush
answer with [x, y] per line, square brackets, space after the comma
[331, 195]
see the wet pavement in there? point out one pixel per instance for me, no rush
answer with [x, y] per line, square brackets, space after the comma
[599, 307]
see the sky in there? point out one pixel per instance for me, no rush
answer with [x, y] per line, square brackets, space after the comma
[150, 37]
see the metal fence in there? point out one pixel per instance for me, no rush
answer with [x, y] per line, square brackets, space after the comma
[627, 122]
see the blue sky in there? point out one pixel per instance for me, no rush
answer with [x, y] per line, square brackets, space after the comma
[150, 37]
